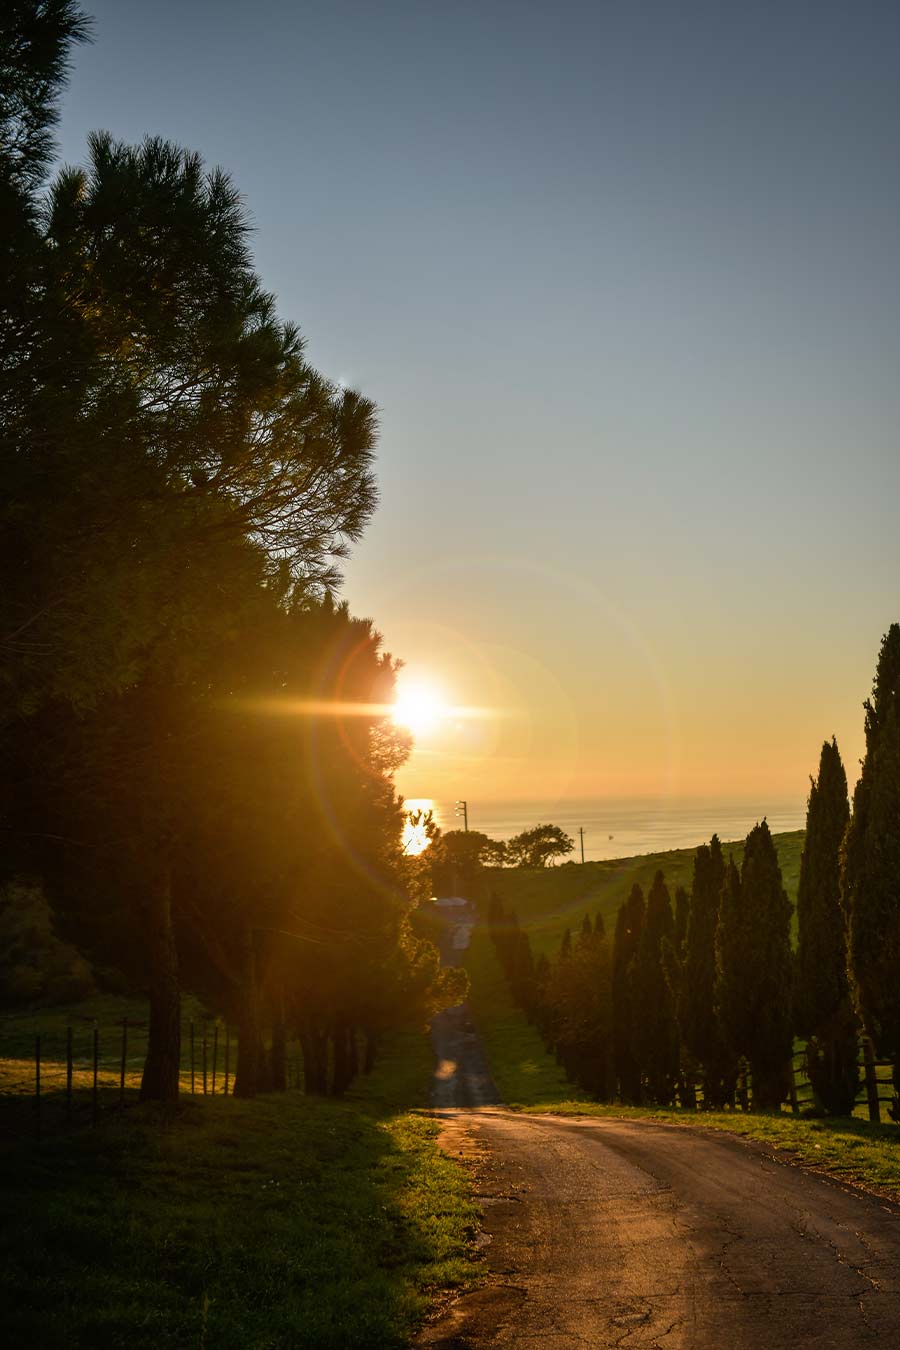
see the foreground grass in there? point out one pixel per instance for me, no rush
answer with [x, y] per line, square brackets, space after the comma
[283, 1222]
[529, 1079]
[548, 900]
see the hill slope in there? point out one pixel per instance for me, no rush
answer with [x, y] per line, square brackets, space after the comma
[548, 900]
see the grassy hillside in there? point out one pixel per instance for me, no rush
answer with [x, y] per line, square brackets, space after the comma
[547, 900]
[282, 1222]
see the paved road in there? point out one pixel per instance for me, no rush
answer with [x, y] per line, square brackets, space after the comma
[630, 1234]
[461, 1074]
[625, 1233]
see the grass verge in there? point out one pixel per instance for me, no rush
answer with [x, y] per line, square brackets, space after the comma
[529, 1079]
[282, 1222]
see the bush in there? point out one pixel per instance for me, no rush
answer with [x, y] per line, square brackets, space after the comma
[36, 964]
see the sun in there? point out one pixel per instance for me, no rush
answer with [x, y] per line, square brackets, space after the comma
[418, 708]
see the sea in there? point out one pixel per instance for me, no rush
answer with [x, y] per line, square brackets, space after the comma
[624, 827]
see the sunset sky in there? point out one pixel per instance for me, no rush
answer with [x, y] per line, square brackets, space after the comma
[624, 282]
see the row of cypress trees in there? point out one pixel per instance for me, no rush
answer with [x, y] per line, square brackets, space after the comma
[687, 992]
[681, 994]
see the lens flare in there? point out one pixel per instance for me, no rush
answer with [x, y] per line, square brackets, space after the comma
[418, 708]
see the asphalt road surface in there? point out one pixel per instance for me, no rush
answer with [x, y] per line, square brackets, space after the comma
[625, 1233]
[628, 1233]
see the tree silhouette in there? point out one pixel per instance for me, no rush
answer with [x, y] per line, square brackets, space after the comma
[871, 865]
[753, 990]
[537, 846]
[654, 1030]
[626, 940]
[823, 1012]
[698, 1018]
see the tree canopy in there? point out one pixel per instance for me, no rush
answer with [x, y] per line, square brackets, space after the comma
[188, 774]
[538, 846]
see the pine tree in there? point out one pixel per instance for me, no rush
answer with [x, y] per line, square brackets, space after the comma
[698, 1019]
[871, 866]
[823, 1013]
[754, 967]
[654, 1029]
[629, 923]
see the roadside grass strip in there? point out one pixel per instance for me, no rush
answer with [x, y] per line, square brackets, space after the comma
[529, 1079]
[282, 1222]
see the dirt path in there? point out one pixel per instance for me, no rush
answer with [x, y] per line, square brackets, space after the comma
[626, 1233]
[618, 1233]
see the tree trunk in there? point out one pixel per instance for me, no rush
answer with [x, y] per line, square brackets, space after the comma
[341, 1075]
[160, 1080]
[370, 1053]
[246, 1077]
[279, 1047]
[315, 1058]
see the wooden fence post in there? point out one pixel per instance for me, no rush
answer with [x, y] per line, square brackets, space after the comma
[69, 1074]
[792, 1090]
[743, 1095]
[94, 1088]
[192, 1057]
[124, 1064]
[227, 1048]
[204, 1058]
[215, 1055]
[871, 1080]
[37, 1085]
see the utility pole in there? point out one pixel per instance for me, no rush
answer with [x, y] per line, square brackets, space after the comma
[581, 832]
[462, 809]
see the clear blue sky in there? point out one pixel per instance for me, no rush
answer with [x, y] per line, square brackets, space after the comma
[623, 279]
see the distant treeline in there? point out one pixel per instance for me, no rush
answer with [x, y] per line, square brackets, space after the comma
[690, 988]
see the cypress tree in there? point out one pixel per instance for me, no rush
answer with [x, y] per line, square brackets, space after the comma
[698, 1018]
[587, 932]
[673, 967]
[655, 1031]
[754, 967]
[823, 1013]
[871, 865]
[629, 923]
[682, 919]
[599, 927]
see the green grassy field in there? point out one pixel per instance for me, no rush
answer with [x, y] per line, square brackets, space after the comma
[20, 1027]
[547, 900]
[282, 1222]
[529, 1079]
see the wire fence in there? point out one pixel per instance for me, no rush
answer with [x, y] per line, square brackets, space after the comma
[76, 1075]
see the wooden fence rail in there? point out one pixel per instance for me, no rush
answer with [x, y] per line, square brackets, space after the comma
[872, 1092]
